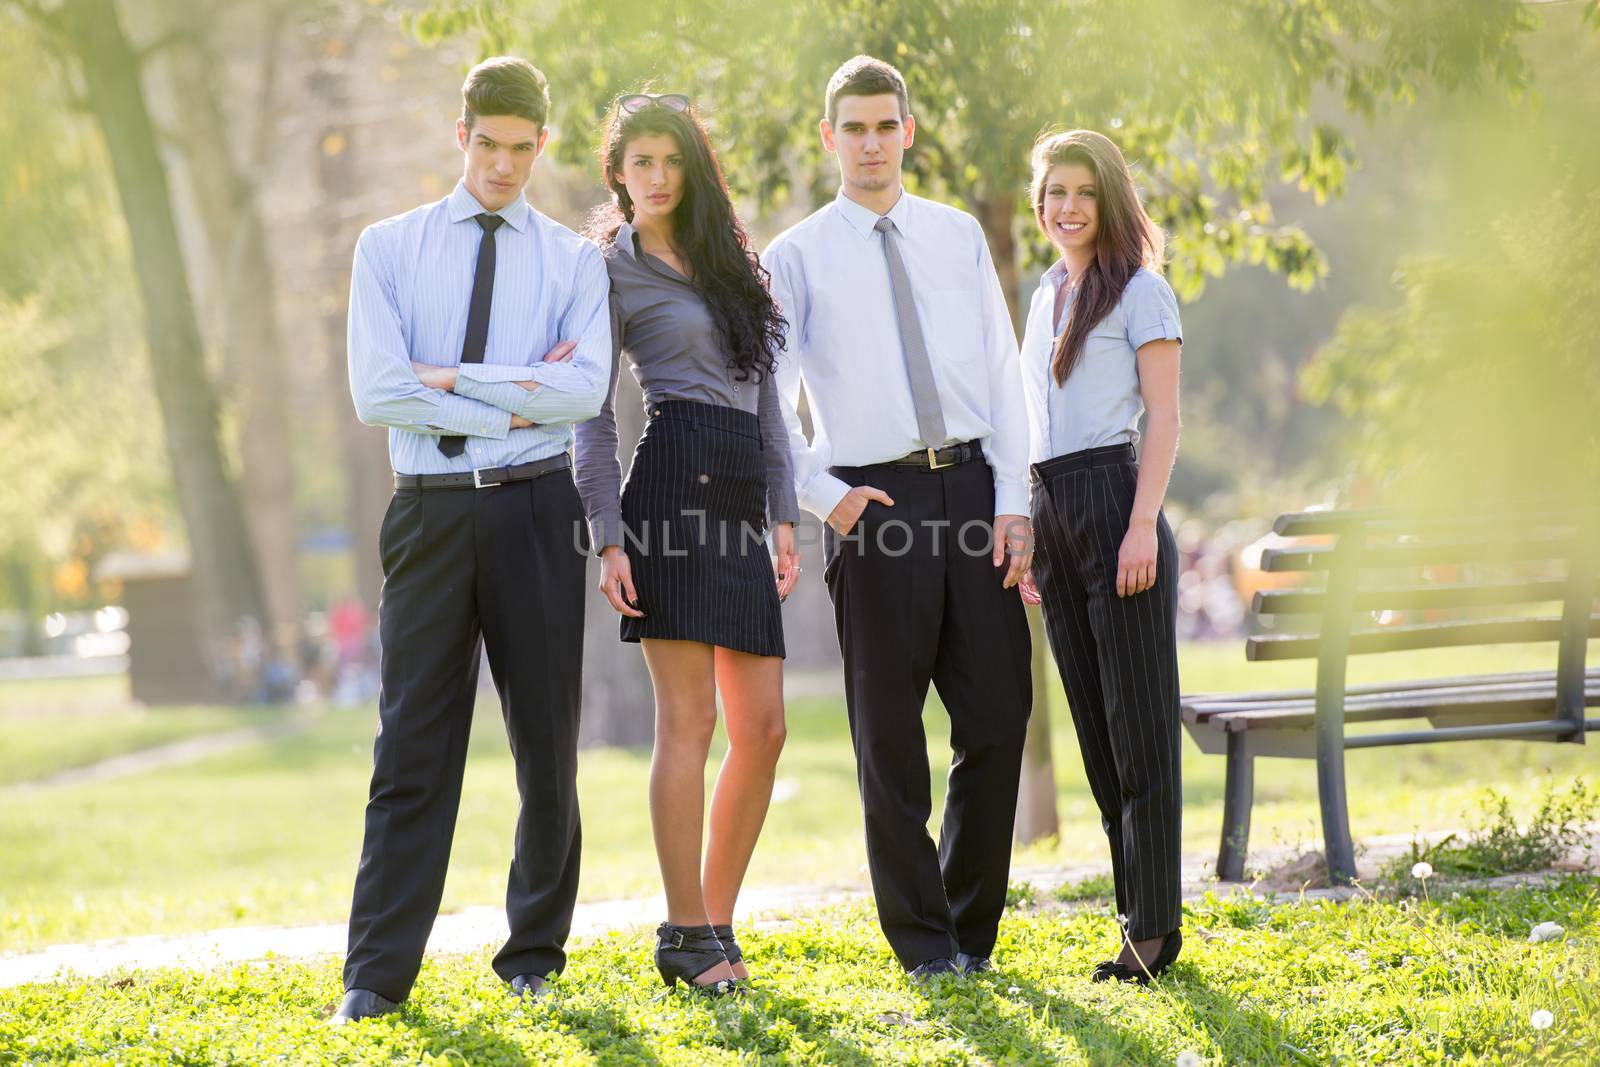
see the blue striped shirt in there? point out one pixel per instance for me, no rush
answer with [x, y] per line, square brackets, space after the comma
[409, 292]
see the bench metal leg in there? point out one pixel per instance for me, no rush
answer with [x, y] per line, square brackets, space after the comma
[1237, 797]
[1336, 841]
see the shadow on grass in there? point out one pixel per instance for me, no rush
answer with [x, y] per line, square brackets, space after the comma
[474, 1041]
[1002, 1041]
[1246, 1034]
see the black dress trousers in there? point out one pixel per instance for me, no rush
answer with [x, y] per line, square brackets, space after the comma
[917, 598]
[501, 567]
[1118, 658]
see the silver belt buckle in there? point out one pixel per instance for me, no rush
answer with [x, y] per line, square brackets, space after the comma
[477, 478]
[933, 460]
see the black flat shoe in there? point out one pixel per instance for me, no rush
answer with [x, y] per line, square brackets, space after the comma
[973, 964]
[684, 953]
[1112, 970]
[528, 986]
[361, 1004]
[730, 947]
[926, 972]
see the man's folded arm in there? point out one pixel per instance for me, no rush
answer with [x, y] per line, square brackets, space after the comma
[568, 391]
[383, 386]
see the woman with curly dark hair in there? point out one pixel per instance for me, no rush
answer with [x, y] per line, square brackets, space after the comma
[683, 555]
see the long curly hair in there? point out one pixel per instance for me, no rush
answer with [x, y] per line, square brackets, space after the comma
[706, 231]
[1126, 239]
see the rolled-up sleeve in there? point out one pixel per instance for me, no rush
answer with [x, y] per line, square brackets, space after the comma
[383, 386]
[1152, 310]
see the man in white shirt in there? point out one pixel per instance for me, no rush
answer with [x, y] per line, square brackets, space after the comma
[918, 462]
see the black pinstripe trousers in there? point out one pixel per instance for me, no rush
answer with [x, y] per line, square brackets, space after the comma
[1118, 658]
[501, 567]
[912, 606]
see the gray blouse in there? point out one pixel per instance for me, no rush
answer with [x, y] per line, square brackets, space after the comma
[662, 323]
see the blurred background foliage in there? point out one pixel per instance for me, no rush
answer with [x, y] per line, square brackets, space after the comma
[1383, 222]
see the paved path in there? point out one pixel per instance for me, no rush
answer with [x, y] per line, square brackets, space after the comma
[473, 928]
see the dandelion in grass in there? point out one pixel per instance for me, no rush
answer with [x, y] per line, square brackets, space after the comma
[1188, 1058]
[1546, 932]
[1541, 1019]
[1422, 870]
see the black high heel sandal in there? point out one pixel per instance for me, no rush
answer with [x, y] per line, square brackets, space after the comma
[730, 947]
[684, 953]
[1121, 972]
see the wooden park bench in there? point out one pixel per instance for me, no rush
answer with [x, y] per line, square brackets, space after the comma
[1474, 579]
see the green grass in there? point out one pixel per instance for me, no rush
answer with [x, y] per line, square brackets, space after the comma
[1259, 983]
[271, 834]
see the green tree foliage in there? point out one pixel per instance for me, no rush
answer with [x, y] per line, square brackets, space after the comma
[1210, 100]
[1481, 376]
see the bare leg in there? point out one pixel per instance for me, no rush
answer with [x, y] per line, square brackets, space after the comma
[752, 706]
[686, 713]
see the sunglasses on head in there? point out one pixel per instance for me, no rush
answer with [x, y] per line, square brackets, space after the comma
[634, 103]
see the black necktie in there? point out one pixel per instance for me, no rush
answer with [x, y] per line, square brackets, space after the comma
[477, 314]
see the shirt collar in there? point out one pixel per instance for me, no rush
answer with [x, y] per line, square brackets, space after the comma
[624, 239]
[463, 205]
[1055, 275]
[865, 220]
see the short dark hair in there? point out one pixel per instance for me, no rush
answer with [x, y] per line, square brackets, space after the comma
[505, 85]
[864, 76]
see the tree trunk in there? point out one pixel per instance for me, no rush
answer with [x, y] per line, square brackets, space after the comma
[239, 285]
[1036, 800]
[368, 482]
[228, 587]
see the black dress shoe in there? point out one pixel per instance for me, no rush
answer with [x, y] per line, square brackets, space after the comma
[1111, 970]
[529, 986]
[361, 1004]
[926, 972]
[973, 964]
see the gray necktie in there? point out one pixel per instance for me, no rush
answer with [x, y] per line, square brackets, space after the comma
[924, 390]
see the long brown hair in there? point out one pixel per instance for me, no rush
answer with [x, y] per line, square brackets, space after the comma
[1125, 238]
[725, 268]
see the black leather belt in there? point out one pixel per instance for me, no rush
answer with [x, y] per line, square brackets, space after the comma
[934, 458]
[484, 477]
[1104, 456]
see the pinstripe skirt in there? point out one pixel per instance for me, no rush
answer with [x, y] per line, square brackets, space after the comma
[694, 513]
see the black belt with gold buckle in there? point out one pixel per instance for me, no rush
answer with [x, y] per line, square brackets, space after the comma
[935, 458]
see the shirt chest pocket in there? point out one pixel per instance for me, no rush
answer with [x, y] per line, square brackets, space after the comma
[952, 322]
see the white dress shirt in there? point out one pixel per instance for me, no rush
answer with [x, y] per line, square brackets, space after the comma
[830, 278]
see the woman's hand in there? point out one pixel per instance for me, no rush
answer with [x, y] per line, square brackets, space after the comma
[1136, 560]
[1029, 591]
[616, 581]
[786, 561]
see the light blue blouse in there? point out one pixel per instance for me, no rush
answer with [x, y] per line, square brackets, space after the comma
[1100, 403]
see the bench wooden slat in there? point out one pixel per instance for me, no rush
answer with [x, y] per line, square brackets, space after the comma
[1392, 521]
[1420, 635]
[1426, 553]
[1204, 712]
[1529, 704]
[1413, 597]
